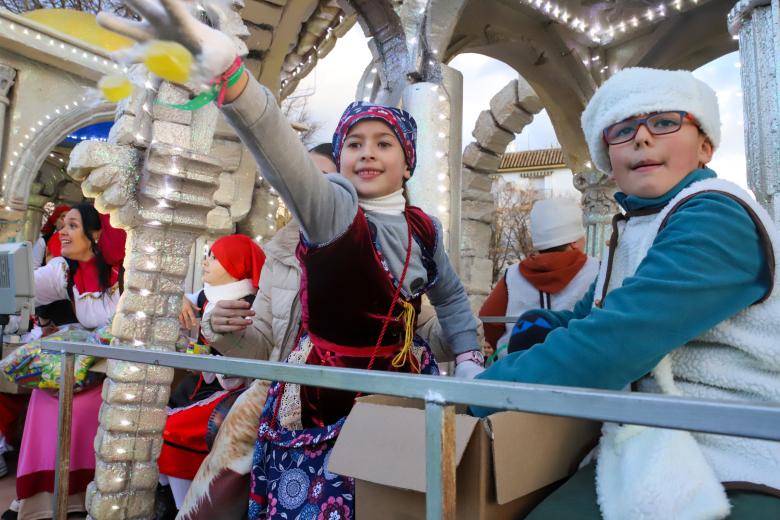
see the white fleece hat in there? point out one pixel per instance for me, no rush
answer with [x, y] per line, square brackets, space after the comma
[555, 222]
[639, 90]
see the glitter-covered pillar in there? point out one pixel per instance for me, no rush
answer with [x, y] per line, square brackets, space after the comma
[453, 86]
[598, 207]
[7, 78]
[9, 219]
[429, 188]
[757, 25]
[167, 176]
[157, 177]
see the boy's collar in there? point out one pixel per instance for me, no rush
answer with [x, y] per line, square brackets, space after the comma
[633, 202]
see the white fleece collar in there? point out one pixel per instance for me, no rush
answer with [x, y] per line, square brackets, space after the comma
[392, 204]
[228, 291]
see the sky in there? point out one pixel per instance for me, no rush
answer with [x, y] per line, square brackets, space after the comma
[332, 84]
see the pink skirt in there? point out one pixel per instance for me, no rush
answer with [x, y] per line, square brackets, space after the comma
[38, 451]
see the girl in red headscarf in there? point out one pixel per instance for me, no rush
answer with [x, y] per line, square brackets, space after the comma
[231, 271]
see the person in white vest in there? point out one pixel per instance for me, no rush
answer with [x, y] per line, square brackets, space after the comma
[685, 304]
[555, 278]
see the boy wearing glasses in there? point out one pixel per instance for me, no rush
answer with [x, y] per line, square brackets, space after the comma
[685, 303]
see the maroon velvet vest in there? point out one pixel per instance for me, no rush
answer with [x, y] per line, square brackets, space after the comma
[346, 291]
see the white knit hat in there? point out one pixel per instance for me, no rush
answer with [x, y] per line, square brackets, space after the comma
[555, 222]
[640, 90]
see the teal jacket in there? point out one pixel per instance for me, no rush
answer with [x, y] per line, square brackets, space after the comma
[706, 265]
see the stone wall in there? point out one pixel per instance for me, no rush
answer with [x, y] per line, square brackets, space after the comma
[511, 110]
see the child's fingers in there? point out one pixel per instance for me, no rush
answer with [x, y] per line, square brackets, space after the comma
[191, 319]
[151, 10]
[180, 16]
[138, 31]
[229, 324]
[232, 304]
[231, 328]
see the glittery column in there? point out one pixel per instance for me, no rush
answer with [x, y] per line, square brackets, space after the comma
[429, 188]
[157, 178]
[757, 24]
[167, 176]
[7, 78]
[598, 207]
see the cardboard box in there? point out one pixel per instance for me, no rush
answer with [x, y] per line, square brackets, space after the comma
[506, 463]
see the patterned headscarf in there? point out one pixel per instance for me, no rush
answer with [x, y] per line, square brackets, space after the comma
[400, 121]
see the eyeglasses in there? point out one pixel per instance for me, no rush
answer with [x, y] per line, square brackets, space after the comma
[659, 123]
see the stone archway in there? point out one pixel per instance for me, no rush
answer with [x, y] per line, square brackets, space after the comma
[511, 110]
[25, 169]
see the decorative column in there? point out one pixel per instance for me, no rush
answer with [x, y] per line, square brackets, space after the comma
[598, 207]
[430, 186]
[511, 109]
[452, 82]
[33, 218]
[757, 24]
[167, 176]
[10, 220]
[157, 178]
[7, 77]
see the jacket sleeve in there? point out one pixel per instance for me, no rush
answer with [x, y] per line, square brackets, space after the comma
[703, 268]
[256, 341]
[453, 310]
[429, 329]
[51, 282]
[324, 205]
[495, 305]
[39, 252]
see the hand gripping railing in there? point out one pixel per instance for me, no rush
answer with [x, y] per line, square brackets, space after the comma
[760, 421]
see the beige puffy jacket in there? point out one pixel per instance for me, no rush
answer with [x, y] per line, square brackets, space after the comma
[278, 309]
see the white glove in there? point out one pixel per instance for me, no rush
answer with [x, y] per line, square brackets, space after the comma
[469, 364]
[468, 369]
[213, 50]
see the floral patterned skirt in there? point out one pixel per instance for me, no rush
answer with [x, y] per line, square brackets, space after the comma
[290, 479]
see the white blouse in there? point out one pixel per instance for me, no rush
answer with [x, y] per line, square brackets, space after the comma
[93, 309]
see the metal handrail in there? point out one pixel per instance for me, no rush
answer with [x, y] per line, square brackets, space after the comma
[498, 319]
[760, 421]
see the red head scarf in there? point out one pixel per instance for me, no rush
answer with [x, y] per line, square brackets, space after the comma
[112, 242]
[50, 226]
[241, 257]
[53, 245]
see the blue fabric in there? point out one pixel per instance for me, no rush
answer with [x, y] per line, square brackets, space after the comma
[529, 330]
[706, 265]
[290, 478]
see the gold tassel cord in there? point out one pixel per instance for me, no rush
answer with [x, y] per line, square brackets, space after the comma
[405, 355]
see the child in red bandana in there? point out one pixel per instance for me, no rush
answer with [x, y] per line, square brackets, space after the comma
[231, 271]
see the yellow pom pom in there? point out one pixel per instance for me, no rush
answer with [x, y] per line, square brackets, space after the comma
[115, 87]
[169, 60]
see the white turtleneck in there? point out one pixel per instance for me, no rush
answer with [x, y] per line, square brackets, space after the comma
[392, 204]
[227, 291]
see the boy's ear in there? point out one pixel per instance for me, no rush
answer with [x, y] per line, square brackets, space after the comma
[407, 173]
[706, 149]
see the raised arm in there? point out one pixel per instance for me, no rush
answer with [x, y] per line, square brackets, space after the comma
[324, 207]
